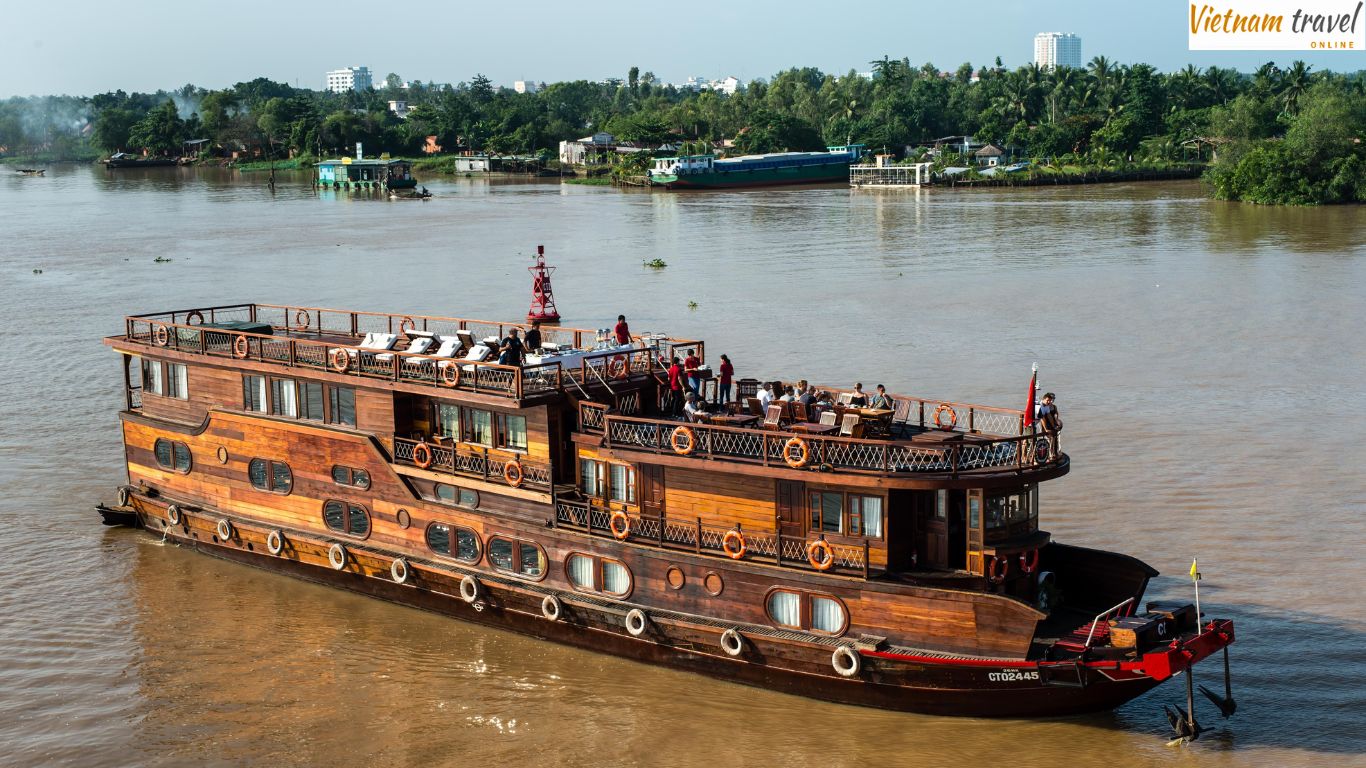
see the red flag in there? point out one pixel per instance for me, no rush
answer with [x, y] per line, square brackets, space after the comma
[1029, 403]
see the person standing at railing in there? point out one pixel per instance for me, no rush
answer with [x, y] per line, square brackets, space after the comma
[673, 404]
[622, 331]
[533, 337]
[1051, 421]
[727, 374]
[510, 352]
[690, 366]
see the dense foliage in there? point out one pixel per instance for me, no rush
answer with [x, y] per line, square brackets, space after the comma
[1280, 135]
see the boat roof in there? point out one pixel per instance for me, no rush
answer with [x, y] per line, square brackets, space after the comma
[366, 161]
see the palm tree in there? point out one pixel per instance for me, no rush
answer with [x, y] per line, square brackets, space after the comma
[1016, 94]
[1293, 85]
[1100, 70]
[1221, 83]
[1185, 87]
[1065, 82]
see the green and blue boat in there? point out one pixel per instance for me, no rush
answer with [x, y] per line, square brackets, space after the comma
[779, 168]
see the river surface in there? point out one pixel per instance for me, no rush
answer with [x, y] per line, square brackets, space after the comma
[1209, 360]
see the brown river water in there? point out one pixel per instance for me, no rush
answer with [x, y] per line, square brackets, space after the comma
[1209, 360]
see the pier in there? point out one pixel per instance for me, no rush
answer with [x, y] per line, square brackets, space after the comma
[883, 173]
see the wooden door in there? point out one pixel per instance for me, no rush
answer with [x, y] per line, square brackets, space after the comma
[651, 490]
[974, 532]
[791, 508]
[934, 549]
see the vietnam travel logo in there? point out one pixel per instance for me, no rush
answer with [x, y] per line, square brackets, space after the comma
[1274, 25]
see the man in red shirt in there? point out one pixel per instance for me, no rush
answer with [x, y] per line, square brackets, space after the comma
[690, 365]
[674, 403]
[727, 373]
[622, 330]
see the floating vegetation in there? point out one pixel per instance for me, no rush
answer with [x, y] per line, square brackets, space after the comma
[161, 260]
[692, 305]
[37, 271]
[655, 263]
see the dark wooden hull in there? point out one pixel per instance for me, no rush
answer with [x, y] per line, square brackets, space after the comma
[930, 685]
[147, 163]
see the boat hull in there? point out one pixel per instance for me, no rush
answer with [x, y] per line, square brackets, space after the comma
[768, 177]
[936, 685]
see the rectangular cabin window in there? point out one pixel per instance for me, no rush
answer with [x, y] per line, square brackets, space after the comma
[478, 427]
[623, 483]
[151, 377]
[941, 505]
[177, 383]
[448, 420]
[865, 516]
[311, 400]
[827, 511]
[254, 393]
[341, 403]
[589, 483]
[284, 400]
[511, 431]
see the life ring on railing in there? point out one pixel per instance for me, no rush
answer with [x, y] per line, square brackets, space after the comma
[620, 533]
[688, 443]
[733, 544]
[826, 560]
[512, 473]
[617, 368]
[406, 324]
[239, 346]
[161, 336]
[422, 455]
[340, 360]
[302, 319]
[1029, 560]
[450, 375]
[1000, 568]
[802, 456]
[939, 417]
[195, 317]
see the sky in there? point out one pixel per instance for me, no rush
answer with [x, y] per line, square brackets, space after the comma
[83, 47]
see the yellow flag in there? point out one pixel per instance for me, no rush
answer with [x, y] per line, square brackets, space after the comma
[1194, 572]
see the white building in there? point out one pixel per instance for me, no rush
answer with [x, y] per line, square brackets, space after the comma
[1057, 49]
[525, 86]
[400, 109]
[349, 79]
[726, 85]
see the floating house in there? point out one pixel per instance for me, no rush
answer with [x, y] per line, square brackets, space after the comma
[365, 174]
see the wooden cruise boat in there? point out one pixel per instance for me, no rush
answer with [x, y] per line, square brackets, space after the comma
[387, 454]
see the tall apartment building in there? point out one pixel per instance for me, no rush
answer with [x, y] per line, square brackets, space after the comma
[1057, 49]
[349, 79]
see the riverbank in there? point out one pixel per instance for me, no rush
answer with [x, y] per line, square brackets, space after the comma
[1059, 175]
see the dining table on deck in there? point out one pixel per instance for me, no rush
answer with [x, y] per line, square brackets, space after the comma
[877, 422]
[732, 419]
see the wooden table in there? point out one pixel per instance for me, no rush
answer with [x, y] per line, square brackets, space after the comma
[877, 422]
[814, 429]
[733, 419]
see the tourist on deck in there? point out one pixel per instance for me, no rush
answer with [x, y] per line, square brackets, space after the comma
[510, 351]
[692, 409]
[1051, 421]
[533, 337]
[674, 400]
[622, 331]
[881, 400]
[765, 395]
[808, 396]
[727, 375]
[858, 399]
[788, 395]
[690, 366]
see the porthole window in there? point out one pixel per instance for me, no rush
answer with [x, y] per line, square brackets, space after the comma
[352, 476]
[273, 476]
[823, 614]
[453, 541]
[590, 573]
[350, 519]
[517, 557]
[173, 455]
[675, 578]
[463, 497]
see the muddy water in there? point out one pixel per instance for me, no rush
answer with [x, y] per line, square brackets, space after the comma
[1208, 357]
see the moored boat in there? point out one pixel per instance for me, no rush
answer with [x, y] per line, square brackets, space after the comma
[891, 559]
[125, 160]
[775, 169]
[361, 174]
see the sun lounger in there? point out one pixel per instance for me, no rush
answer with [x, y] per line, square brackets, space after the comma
[417, 346]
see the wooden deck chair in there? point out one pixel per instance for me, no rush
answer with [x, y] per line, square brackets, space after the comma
[829, 418]
[774, 419]
[901, 416]
[847, 425]
[799, 412]
[755, 407]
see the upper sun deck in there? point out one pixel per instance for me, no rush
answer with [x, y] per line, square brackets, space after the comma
[423, 350]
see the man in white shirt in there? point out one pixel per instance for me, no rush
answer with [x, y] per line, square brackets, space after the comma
[692, 410]
[765, 396]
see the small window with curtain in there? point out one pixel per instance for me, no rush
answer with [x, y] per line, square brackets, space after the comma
[823, 614]
[453, 541]
[448, 420]
[152, 382]
[785, 608]
[865, 516]
[511, 431]
[623, 483]
[283, 398]
[254, 393]
[477, 427]
[177, 382]
[590, 478]
[350, 519]
[591, 573]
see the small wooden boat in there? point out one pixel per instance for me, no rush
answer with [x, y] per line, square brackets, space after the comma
[895, 560]
[31, 171]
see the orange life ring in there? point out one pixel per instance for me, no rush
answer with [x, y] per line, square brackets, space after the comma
[827, 559]
[802, 456]
[733, 544]
[195, 317]
[939, 414]
[1029, 560]
[239, 346]
[625, 530]
[161, 336]
[302, 319]
[689, 440]
[450, 375]
[406, 324]
[512, 473]
[422, 455]
[341, 360]
[998, 575]
[617, 368]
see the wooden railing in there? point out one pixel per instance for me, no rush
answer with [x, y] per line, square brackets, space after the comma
[773, 448]
[592, 417]
[488, 378]
[474, 461]
[703, 538]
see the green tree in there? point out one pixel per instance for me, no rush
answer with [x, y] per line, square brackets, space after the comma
[112, 129]
[160, 131]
